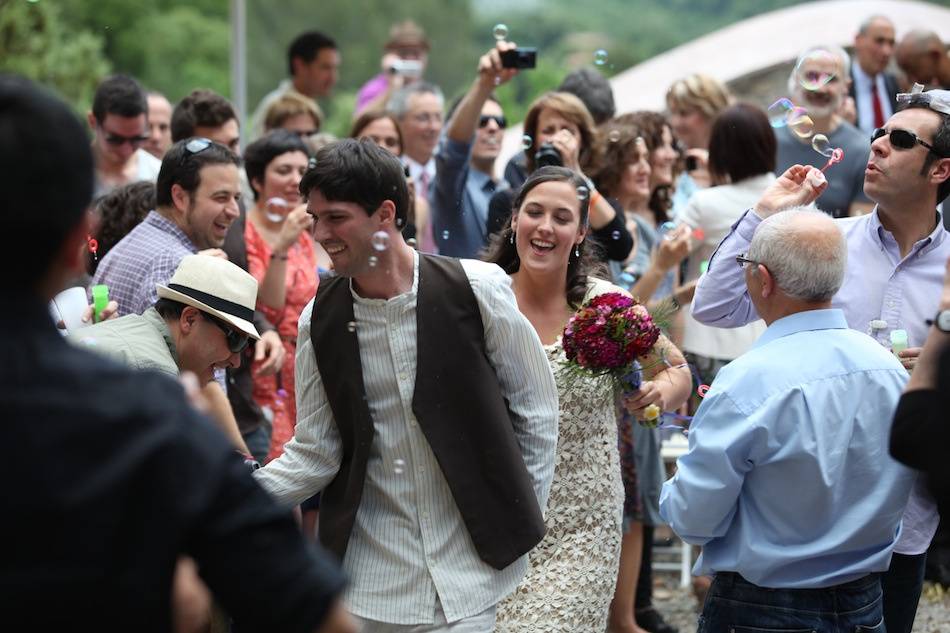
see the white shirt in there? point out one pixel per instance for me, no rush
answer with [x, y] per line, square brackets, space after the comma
[862, 97]
[415, 172]
[715, 210]
[409, 544]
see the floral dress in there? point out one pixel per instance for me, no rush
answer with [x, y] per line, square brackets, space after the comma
[572, 572]
[276, 393]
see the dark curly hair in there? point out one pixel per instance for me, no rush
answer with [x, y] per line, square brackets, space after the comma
[120, 211]
[502, 250]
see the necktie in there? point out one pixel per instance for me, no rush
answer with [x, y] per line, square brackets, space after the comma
[424, 183]
[876, 102]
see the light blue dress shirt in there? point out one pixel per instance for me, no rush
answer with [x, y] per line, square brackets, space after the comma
[788, 480]
[878, 284]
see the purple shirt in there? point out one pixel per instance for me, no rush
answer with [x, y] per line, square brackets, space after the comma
[370, 90]
[878, 285]
[147, 256]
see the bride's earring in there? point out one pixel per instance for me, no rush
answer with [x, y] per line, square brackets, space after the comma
[512, 238]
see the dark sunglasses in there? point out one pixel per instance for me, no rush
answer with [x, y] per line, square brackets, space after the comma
[117, 140]
[237, 341]
[901, 139]
[499, 119]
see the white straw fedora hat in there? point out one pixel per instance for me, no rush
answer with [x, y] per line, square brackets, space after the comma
[215, 286]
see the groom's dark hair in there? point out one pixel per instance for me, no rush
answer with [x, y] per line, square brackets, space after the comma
[359, 172]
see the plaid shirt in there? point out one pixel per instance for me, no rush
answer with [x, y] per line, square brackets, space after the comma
[147, 256]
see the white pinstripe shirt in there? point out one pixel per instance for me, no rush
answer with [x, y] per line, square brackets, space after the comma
[409, 543]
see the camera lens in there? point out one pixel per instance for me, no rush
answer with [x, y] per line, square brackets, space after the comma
[548, 156]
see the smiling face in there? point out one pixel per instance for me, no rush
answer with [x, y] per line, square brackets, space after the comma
[207, 214]
[345, 232]
[421, 126]
[691, 126]
[634, 187]
[202, 346]
[824, 100]
[662, 159]
[282, 178]
[547, 227]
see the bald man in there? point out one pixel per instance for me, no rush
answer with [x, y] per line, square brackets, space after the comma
[922, 55]
[873, 89]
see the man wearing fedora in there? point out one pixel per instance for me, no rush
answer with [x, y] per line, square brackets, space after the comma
[201, 321]
[427, 412]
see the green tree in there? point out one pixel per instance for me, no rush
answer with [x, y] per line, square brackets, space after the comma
[35, 41]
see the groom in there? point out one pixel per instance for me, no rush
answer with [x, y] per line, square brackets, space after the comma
[427, 416]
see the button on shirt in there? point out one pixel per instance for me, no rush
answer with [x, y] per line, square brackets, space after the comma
[409, 545]
[788, 479]
[878, 285]
[459, 201]
[147, 256]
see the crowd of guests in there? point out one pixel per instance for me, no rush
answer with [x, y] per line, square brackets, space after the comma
[375, 324]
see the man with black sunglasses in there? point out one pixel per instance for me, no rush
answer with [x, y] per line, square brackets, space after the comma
[465, 162]
[897, 255]
[119, 121]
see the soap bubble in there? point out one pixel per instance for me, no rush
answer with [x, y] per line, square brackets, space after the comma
[615, 235]
[445, 235]
[600, 57]
[614, 136]
[822, 145]
[583, 193]
[373, 261]
[500, 32]
[399, 466]
[816, 69]
[800, 123]
[275, 209]
[778, 112]
[380, 240]
[526, 142]
[412, 242]
[497, 80]
[351, 326]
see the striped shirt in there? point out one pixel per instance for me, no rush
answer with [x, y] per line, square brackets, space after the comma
[409, 545]
[147, 256]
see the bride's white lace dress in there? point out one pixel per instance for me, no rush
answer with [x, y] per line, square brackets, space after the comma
[573, 571]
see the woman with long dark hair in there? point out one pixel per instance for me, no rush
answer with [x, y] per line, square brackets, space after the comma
[572, 572]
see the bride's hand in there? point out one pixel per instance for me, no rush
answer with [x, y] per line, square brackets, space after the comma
[637, 401]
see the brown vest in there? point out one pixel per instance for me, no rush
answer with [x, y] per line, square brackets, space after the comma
[459, 406]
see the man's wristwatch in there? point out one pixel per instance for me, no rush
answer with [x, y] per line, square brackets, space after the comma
[942, 320]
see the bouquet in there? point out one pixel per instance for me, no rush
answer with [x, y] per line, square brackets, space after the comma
[607, 338]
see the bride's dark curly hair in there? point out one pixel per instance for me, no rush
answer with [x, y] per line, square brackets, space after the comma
[503, 251]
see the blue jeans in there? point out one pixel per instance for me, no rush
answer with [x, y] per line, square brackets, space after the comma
[902, 583]
[735, 605]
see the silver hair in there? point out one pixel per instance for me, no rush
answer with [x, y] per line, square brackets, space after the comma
[806, 266]
[844, 64]
[871, 19]
[398, 104]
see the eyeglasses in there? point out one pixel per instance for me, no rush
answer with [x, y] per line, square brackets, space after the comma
[237, 341]
[901, 139]
[742, 260]
[117, 140]
[499, 119]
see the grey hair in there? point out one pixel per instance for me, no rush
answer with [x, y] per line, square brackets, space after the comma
[871, 19]
[844, 64]
[806, 265]
[398, 104]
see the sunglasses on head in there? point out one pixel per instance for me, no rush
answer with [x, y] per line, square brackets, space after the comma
[499, 119]
[901, 139]
[237, 341]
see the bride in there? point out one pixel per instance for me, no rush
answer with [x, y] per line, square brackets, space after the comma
[573, 571]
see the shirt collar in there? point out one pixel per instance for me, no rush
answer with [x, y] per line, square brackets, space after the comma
[158, 322]
[877, 232]
[827, 319]
[159, 221]
[406, 296]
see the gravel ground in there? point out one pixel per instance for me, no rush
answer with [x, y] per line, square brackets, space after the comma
[679, 606]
